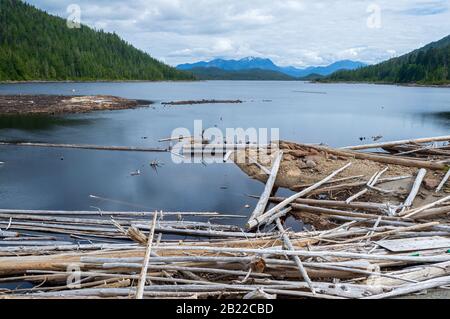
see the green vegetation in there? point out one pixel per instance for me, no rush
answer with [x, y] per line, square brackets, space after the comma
[37, 46]
[211, 73]
[427, 66]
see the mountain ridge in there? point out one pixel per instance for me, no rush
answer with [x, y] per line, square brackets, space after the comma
[267, 64]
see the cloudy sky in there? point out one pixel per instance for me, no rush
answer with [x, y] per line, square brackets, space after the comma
[290, 32]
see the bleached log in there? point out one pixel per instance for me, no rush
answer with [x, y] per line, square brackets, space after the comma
[356, 196]
[395, 143]
[4, 234]
[414, 212]
[415, 189]
[444, 180]
[33, 243]
[412, 288]
[148, 251]
[302, 253]
[262, 203]
[420, 273]
[87, 147]
[333, 203]
[111, 213]
[380, 158]
[296, 259]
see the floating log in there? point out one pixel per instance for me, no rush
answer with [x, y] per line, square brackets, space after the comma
[86, 147]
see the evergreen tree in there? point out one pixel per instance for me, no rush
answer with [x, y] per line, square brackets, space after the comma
[37, 46]
[428, 65]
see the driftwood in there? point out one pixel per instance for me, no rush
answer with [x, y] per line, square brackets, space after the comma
[85, 147]
[394, 143]
[148, 251]
[415, 189]
[381, 158]
[262, 203]
[444, 180]
[260, 219]
[352, 249]
[297, 260]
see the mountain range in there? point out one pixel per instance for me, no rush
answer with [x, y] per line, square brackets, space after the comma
[229, 67]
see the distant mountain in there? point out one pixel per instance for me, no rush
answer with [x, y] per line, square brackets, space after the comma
[213, 73]
[427, 65]
[252, 63]
[330, 69]
[37, 46]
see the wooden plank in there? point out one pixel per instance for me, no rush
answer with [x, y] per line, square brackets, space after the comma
[415, 244]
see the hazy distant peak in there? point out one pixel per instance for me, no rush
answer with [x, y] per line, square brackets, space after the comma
[251, 62]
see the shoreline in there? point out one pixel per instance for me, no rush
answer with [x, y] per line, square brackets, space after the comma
[95, 81]
[445, 86]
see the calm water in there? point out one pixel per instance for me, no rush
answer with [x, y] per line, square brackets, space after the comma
[336, 114]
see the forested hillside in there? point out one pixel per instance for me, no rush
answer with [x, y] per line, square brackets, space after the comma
[37, 46]
[428, 65]
[247, 75]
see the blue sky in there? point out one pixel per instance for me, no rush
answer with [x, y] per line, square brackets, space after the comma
[290, 32]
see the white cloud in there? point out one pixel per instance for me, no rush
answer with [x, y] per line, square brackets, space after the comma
[291, 32]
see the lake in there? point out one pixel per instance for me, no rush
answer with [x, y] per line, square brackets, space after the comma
[61, 179]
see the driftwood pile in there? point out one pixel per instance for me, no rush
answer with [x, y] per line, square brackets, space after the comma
[350, 246]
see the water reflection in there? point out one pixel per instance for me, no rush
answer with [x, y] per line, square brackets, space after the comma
[439, 118]
[38, 122]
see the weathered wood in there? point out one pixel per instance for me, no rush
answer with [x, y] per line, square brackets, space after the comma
[87, 147]
[417, 274]
[148, 251]
[414, 212]
[302, 253]
[415, 189]
[408, 289]
[262, 203]
[334, 203]
[395, 143]
[444, 180]
[296, 259]
[380, 158]
[113, 213]
[414, 244]
[260, 219]
[8, 234]
[356, 196]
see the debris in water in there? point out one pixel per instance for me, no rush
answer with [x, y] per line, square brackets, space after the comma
[136, 173]
[377, 138]
[155, 164]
